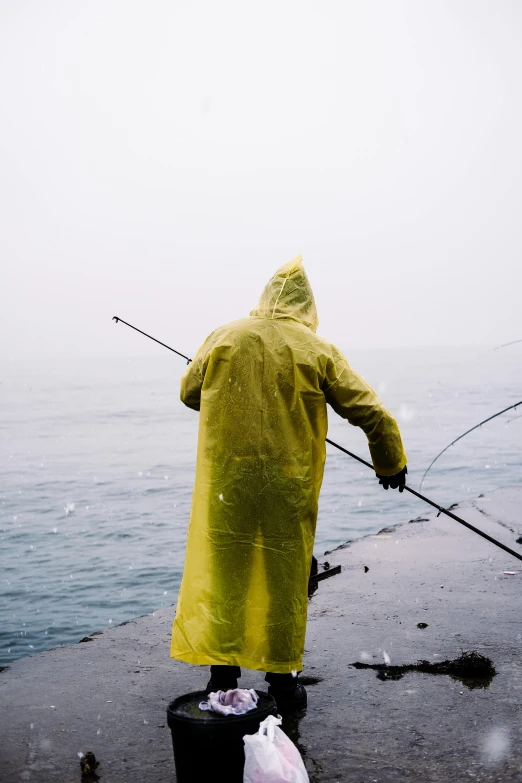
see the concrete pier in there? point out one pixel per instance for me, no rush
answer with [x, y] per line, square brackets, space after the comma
[109, 694]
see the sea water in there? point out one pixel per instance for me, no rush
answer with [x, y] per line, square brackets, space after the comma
[97, 462]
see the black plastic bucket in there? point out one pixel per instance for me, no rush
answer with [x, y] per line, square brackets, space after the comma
[208, 746]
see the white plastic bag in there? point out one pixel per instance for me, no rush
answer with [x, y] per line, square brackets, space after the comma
[271, 757]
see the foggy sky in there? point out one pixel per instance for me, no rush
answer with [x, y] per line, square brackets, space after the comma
[159, 160]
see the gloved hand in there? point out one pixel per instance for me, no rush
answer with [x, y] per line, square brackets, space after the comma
[395, 482]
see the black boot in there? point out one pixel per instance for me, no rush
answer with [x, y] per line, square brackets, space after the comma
[223, 678]
[288, 692]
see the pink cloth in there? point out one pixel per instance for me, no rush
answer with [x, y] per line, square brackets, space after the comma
[233, 702]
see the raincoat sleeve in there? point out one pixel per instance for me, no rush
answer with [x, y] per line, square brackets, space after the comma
[192, 381]
[353, 399]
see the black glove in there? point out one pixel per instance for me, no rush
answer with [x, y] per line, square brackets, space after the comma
[395, 482]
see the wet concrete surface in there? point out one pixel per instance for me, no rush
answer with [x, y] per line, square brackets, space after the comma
[109, 695]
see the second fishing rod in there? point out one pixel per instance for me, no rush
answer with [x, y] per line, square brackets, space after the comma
[440, 509]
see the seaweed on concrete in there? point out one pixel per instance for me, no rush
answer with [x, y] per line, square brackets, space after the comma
[471, 668]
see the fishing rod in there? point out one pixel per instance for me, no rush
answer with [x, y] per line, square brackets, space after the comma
[115, 318]
[440, 509]
[505, 345]
[467, 433]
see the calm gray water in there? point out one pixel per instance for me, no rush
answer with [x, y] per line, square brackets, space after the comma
[97, 464]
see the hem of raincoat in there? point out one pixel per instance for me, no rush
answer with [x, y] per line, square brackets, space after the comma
[202, 659]
[394, 471]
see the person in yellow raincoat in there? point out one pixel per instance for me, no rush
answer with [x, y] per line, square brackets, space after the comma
[261, 385]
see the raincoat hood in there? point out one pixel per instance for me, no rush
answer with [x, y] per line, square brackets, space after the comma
[289, 295]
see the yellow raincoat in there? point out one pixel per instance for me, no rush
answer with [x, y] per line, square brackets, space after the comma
[261, 385]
